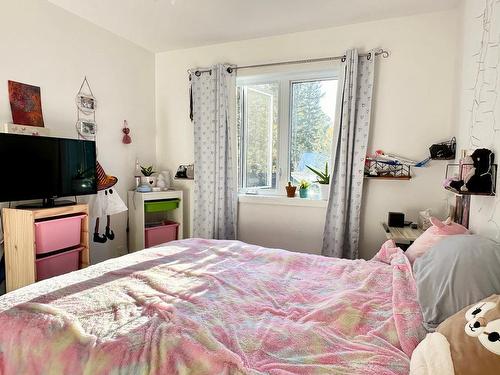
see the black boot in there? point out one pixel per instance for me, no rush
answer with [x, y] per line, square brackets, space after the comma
[99, 239]
[110, 234]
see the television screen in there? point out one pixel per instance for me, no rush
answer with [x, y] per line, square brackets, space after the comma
[45, 168]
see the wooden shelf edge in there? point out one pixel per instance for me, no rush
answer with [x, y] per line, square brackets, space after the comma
[405, 178]
[469, 193]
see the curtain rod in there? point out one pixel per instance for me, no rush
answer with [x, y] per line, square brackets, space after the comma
[380, 52]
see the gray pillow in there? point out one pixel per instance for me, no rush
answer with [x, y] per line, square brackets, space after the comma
[456, 272]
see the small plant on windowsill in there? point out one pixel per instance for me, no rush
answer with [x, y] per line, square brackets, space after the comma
[304, 188]
[323, 180]
[148, 178]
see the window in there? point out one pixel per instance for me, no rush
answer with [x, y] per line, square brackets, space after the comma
[285, 124]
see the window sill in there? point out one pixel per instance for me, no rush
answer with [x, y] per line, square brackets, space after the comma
[281, 201]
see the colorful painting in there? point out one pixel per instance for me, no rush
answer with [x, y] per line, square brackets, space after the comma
[25, 104]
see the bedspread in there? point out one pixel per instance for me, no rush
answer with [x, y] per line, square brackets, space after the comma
[216, 307]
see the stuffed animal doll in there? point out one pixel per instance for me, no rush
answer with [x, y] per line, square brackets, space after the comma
[479, 178]
[468, 343]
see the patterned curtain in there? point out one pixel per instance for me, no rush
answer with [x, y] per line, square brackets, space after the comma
[215, 185]
[352, 125]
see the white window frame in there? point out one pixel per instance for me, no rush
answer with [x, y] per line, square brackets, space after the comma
[285, 81]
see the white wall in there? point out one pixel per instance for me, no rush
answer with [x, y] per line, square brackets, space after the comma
[43, 45]
[413, 108]
[479, 123]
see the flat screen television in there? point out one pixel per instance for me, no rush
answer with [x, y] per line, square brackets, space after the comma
[45, 168]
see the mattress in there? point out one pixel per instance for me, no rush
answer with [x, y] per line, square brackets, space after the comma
[216, 307]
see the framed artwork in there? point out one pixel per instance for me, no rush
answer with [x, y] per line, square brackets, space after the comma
[86, 128]
[25, 104]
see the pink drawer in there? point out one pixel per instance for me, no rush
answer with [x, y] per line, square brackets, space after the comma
[58, 264]
[58, 234]
[161, 234]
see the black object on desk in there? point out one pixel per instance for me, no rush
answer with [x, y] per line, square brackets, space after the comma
[396, 219]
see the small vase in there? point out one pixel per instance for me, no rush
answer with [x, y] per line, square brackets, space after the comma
[324, 191]
[303, 193]
[149, 180]
[290, 190]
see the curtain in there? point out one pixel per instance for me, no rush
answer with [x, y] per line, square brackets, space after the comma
[215, 184]
[350, 142]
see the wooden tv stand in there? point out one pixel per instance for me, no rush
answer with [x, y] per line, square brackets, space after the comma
[20, 242]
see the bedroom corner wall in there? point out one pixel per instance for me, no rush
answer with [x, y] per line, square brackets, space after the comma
[43, 45]
[479, 123]
[414, 107]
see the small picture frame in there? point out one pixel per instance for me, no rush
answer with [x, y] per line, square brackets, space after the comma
[86, 103]
[86, 128]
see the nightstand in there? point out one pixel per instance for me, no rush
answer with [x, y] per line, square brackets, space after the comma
[403, 237]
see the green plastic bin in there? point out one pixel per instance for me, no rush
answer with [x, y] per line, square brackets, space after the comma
[161, 206]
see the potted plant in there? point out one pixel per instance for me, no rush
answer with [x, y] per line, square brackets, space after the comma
[323, 181]
[148, 178]
[304, 188]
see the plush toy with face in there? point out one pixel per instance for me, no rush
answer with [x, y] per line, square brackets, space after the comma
[468, 343]
[474, 338]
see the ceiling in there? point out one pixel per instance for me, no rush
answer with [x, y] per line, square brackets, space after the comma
[162, 25]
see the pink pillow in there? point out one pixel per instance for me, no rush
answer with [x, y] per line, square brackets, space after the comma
[431, 236]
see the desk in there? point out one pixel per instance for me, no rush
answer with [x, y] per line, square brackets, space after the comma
[403, 237]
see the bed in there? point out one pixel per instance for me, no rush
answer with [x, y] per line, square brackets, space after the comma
[216, 307]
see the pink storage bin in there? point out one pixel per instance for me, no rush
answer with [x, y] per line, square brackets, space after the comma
[58, 234]
[161, 234]
[58, 264]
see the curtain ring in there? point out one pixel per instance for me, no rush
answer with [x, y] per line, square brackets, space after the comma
[229, 70]
[197, 73]
[369, 56]
[344, 58]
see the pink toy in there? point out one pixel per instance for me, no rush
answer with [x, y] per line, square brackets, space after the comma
[431, 236]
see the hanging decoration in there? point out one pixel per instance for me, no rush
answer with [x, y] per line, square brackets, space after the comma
[126, 133]
[107, 202]
[86, 105]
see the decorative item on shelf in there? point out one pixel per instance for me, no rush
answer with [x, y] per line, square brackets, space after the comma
[397, 159]
[444, 150]
[126, 133]
[190, 171]
[185, 172]
[474, 175]
[25, 130]
[323, 180]
[144, 189]
[163, 181]
[137, 174]
[290, 190]
[304, 188]
[86, 105]
[386, 170]
[25, 104]
[148, 178]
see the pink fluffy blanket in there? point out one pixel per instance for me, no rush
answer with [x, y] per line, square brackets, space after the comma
[216, 307]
